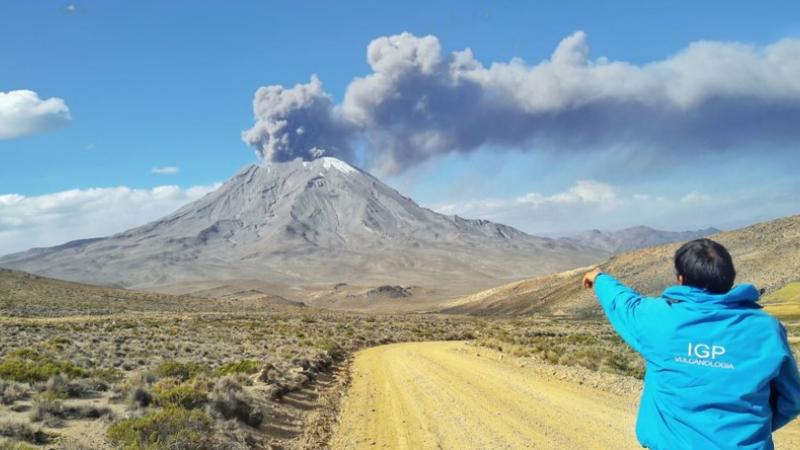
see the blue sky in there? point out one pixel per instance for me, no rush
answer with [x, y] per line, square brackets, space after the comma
[153, 84]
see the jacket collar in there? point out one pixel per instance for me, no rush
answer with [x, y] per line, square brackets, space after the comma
[740, 296]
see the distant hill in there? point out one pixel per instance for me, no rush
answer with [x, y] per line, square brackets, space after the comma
[634, 238]
[766, 254]
[26, 295]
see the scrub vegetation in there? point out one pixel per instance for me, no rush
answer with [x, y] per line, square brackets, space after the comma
[84, 367]
[590, 344]
[210, 380]
[785, 302]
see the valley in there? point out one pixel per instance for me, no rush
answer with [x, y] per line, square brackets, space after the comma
[86, 367]
[307, 305]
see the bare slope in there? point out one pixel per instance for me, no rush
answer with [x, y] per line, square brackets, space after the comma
[26, 295]
[449, 395]
[299, 222]
[766, 254]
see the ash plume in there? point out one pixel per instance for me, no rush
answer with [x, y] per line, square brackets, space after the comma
[419, 102]
[299, 122]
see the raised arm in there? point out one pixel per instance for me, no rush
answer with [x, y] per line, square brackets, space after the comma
[621, 304]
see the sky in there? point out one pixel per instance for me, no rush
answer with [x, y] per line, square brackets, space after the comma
[553, 117]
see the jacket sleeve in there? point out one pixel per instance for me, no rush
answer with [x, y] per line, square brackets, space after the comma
[785, 395]
[623, 307]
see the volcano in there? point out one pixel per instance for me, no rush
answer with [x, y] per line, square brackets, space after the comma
[306, 223]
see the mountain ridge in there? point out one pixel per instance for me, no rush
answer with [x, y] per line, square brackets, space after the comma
[635, 237]
[305, 222]
[766, 254]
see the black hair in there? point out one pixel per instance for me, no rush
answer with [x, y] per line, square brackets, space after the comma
[705, 264]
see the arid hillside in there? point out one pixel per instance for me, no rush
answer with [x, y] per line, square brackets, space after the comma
[27, 295]
[766, 254]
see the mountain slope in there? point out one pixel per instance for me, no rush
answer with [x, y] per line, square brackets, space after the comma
[322, 221]
[634, 238]
[766, 254]
[26, 295]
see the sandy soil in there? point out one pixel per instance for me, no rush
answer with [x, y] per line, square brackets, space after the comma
[450, 395]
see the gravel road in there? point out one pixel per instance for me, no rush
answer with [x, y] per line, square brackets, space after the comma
[450, 395]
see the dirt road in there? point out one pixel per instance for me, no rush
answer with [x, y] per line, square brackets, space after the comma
[449, 395]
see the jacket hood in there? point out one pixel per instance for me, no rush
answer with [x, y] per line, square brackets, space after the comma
[740, 296]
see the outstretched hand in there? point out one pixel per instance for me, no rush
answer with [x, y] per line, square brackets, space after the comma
[588, 279]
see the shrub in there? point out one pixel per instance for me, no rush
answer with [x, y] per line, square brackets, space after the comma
[109, 375]
[11, 392]
[185, 395]
[16, 446]
[57, 387]
[277, 391]
[581, 339]
[333, 349]
[23, 432]
[83, 387]
[71, 444]
[139, 397]
[28, 366]
[179, 370]
[58, 343]
[174, 428]
[52, 411]
[229, 401]
[247, 366]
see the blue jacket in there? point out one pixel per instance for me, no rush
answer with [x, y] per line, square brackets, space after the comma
[720, 373]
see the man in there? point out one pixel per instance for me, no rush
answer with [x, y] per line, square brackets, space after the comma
[720, 372]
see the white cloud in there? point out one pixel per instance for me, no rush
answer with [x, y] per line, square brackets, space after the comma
[73, 8]
[586, 191]
[695, 197]
[590, 204]
[56, 218]
[583, 193]
[169, 170]
[23, 113]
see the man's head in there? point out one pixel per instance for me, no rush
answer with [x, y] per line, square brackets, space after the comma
[705, 264]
